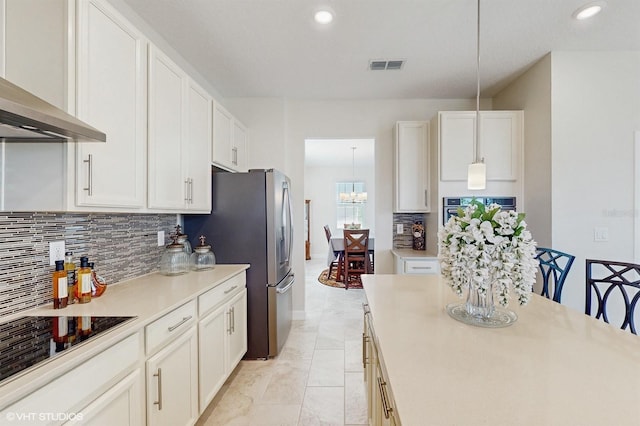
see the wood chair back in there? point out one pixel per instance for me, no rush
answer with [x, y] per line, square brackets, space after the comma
[327, 232]
[356, 254]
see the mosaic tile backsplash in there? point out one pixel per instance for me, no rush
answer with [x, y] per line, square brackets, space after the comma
[122, 246]
[405, 240]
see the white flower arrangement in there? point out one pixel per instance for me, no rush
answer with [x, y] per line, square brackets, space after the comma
[484, 248]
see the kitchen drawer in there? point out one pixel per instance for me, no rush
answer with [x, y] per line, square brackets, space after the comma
[221, 293]
[169, 326]
[421, 266]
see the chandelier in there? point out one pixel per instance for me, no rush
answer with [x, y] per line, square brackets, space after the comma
[353, 196]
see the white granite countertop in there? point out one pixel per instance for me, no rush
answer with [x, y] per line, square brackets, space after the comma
[554, 366]
[147, 297]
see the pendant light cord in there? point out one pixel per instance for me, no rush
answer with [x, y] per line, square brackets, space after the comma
[476, 150]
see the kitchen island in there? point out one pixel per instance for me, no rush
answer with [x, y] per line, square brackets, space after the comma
[554, 366]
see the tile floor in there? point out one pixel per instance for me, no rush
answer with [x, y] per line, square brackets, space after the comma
[316, 380]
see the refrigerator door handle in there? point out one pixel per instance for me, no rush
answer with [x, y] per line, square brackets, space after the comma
[286, 288]
[287, 220]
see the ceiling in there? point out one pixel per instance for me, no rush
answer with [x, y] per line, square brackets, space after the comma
[272, 48]
[339, 153]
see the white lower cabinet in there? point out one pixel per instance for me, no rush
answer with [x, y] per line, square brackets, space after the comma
[172, 368]
[222, 335]
[90, 387]
[381, 410]
[172, 382]
[121, 405]
[416, 266]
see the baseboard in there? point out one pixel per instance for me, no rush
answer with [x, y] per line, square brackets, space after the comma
[298, 315]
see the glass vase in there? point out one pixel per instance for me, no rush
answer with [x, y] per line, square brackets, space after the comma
[479, 310]
[480, 305]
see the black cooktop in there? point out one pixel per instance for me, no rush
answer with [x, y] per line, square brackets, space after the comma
[28, 341]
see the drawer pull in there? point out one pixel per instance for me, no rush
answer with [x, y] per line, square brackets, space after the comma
[422, 267]
[159, 401]
[185, 319]
[230, 289]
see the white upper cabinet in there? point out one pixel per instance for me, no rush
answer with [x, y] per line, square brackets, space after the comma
[229, 140]
[412, 181]
[501, 139]
[179, 138]
[167, 87]
[239, 149]
[222, 135]
[111, 95]
[197, 150]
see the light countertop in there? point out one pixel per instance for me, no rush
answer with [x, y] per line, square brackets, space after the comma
[554, 366]
[147, 297]
[413, 254]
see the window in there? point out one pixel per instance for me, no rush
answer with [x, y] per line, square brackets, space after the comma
[351, 199]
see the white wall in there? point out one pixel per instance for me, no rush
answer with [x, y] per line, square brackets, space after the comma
[581, 112]
[335, 119]
[595, 111]
[532, 94]
[320, 188]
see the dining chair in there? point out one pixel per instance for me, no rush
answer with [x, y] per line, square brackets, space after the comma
[337, 255]
[554, 267]
[616, 286]
[356, 254]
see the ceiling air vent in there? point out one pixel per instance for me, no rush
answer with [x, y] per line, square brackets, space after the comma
[381, 64]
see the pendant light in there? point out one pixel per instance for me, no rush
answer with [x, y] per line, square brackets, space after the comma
[477, 172]
[353, 197]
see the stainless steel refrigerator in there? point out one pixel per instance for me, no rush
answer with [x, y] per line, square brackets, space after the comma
[250, 222]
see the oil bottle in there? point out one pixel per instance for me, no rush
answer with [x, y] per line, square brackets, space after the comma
[84, 281]
[70, 268]
[60, 288]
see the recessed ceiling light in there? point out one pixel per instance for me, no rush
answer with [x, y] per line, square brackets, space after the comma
[589, 10]
[323, 17]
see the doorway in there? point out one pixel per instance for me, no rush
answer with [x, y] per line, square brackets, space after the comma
[334, 167]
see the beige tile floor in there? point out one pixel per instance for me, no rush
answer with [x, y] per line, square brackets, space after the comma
[316, 380]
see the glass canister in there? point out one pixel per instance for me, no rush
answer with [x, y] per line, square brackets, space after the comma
[202, 257]
[174, 260]
[184, 240]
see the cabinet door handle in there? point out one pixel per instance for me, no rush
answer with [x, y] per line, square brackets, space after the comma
[89, 187]
[185, 319]
[233, 319]
[229, 321]
[365, 308]
[186, 190]
[191, 190]
[234, 156]
[426, 197]
[365, 340]
[383, 395]
[159, 401]
[230, 290]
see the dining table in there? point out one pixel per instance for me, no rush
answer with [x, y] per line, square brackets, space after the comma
[553, 366]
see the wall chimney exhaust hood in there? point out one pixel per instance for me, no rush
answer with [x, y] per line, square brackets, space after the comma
[25, 117]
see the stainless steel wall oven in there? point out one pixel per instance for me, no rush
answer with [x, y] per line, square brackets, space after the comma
[451, 204]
